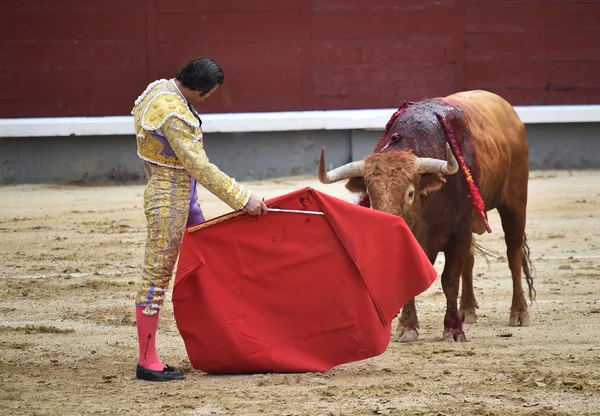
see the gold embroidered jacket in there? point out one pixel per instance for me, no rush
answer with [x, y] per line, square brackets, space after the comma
[169, 134]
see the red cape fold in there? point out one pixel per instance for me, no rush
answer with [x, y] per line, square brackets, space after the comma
[295, 292]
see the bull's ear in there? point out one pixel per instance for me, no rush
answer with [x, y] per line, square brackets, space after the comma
[395, 139]
[431, 182]
[356, 184]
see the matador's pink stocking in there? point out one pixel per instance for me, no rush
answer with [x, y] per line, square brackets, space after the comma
[146, 327]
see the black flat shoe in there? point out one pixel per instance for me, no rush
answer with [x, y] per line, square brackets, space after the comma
[167, 374]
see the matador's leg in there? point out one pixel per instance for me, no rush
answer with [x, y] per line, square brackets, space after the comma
[166, 204]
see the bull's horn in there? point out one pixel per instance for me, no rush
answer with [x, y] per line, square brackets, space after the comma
[349, 170]
[429, 165]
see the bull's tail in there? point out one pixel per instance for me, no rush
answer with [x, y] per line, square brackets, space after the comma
[486, 252]
[526, 263]
[528, 269]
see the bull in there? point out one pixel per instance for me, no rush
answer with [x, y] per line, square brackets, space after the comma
[414, 173]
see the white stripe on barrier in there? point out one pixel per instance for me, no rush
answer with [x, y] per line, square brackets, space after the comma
[264, 122]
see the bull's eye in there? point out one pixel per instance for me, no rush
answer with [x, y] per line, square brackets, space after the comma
[410, 194]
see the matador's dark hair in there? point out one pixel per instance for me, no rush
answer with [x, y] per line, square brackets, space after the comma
[201, 74]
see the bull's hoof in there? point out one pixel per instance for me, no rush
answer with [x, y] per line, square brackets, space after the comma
[406, 335]
[454, 335]
[519, 319]
[468, 316]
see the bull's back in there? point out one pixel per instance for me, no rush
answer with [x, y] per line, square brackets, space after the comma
[498, 137]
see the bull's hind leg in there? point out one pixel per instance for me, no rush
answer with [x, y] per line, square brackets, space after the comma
[513, 224]
[468, 303]
[456, 253]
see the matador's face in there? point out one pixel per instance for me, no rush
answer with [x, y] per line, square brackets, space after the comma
[199, 97]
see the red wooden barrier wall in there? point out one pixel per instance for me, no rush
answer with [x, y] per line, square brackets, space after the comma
[93, 58]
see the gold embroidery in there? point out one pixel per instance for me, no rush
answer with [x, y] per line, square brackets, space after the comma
[192, 156]
[152, 110]
[166, 197]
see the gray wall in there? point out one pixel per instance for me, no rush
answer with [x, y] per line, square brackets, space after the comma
[255, 155]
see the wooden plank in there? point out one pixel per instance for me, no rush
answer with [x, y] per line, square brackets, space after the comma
[257, 90]
[507, 74]
[379, 5]
[70, 6]
[73, 27]
[228, 27]
[519, 3]
[533, 17]
[386, 99]
[308, 57]
[538, 46]
[233, 56]
[537, 96]
[82, 108]
[391, 99]
[25, 107]
[348, 81]
[195, 6]
[68, 85]
[459, 19]
[572, 96]
[575, 74]
[382, 51]
[536, 74]
[34, 57]
[381, 24]
[151, 41]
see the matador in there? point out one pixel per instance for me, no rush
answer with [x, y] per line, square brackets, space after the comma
[170, 143]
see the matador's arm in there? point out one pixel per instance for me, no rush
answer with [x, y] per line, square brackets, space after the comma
[190, 152]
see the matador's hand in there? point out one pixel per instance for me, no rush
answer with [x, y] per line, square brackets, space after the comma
[255, 205]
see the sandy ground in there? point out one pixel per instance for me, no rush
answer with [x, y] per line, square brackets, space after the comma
[71, 256]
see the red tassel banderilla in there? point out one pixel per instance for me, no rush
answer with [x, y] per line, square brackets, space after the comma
[476, 200]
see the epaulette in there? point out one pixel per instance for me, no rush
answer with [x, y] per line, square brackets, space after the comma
[163, 106]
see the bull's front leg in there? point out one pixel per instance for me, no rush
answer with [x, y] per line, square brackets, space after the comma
[408, 324]
[455, 255]
[468, 303]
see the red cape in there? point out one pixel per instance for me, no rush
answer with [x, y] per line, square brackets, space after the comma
[295, 292]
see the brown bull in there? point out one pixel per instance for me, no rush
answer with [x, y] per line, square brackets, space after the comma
[414, 174]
